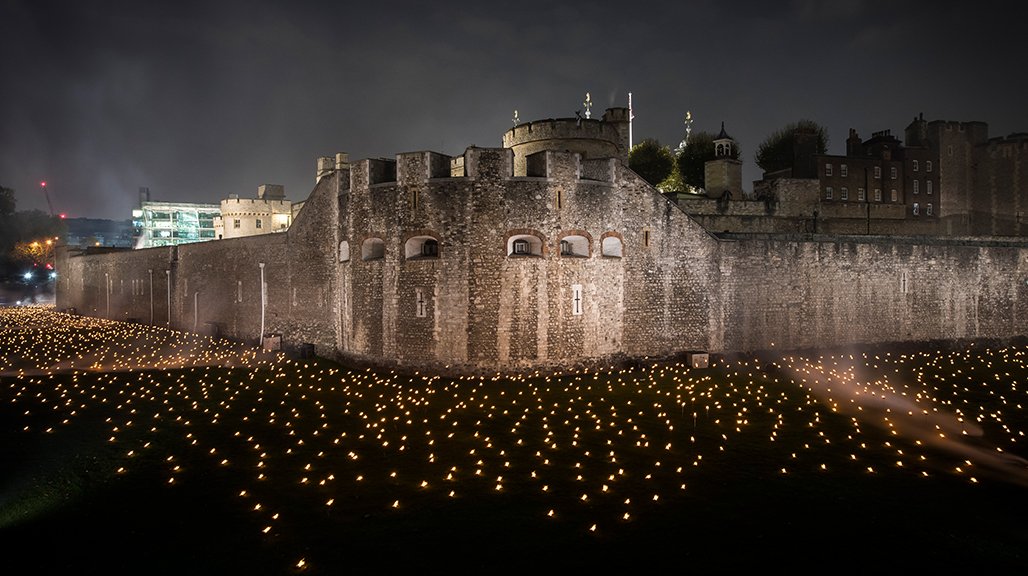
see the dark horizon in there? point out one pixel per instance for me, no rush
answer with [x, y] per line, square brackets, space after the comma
[198, 101]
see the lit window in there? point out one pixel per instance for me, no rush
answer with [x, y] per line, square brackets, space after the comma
[861, 195]
[524, 245]
[421, 247]
[928, 187]
[611, 246]
[892, 173]
[828, 169]
[895, 197]
[828, 193]
[927, 165]
[844, 193]
[915, 166]
[917, 209]
[373, 249]
[917, 187]
[844, 170]
[878, 171]
[928, 209]
[574, 245]
[878, 194]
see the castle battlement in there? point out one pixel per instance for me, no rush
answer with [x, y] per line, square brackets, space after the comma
[425, 167]
[604, 138]
[257, 206]
[560, 129]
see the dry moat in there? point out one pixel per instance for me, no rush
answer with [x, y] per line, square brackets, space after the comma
[130, 449]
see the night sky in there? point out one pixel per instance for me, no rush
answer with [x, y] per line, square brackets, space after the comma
[201, 99]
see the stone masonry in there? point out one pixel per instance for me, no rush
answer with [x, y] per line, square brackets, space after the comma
[565, 258]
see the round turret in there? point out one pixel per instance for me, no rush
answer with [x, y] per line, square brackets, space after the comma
[606, 138]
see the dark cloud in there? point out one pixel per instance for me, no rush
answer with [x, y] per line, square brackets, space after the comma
[201, 99]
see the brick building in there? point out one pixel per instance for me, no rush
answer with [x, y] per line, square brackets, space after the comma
[944, 179]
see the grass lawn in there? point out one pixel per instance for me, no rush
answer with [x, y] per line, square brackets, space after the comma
[130, 449]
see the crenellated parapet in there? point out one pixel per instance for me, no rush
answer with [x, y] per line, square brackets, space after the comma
[604, 138]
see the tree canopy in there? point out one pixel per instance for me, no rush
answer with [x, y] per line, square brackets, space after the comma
[776, 152]
[18, 232]
[651, 161]
[7, 202]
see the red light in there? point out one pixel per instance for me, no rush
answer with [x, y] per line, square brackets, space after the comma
[64, 216]
[49, 266]
[43, 183]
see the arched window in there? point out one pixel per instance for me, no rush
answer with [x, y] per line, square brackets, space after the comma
[574, 245]
[524, 245]
[373, 249]
[421, 247]
[611, 247]
[344, 251]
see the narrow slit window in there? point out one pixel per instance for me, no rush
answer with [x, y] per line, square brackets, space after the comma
[420, 306]
[576, 299]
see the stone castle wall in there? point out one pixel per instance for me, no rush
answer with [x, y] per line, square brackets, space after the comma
[487, 308]
[351, 277]
[215, 287]
[791, 294]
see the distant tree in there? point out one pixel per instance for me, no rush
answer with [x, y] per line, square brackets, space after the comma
[17, 233]
[651, 161]
[776, 151]
[36, 253]
[691, 160]
[7, 202]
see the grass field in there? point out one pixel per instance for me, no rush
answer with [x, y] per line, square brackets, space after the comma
[130, 449]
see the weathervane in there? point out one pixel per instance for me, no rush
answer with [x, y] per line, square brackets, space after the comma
[588, 105]
[515, 119]
[688, 131]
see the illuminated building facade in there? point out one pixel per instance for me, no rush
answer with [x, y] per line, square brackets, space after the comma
[268, 212]
[173, 223]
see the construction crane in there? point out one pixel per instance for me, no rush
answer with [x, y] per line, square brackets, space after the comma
[48, 201]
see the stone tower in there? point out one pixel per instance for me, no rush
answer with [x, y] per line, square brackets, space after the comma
[590, 138]
[723, 174]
